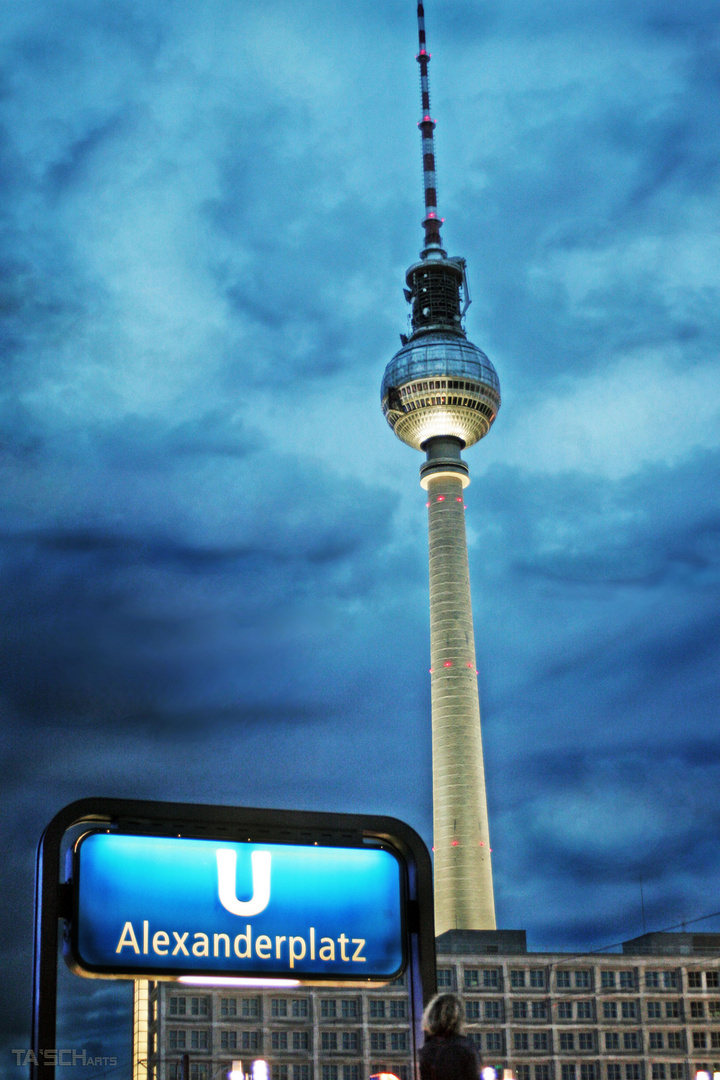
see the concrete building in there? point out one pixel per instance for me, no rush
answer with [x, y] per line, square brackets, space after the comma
[650, 1012]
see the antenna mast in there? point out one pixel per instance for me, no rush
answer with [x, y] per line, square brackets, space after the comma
[431, 222]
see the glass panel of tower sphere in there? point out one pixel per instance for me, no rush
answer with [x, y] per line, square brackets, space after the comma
[438, 385]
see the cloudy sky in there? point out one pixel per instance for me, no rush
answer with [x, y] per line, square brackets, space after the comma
[214, 551]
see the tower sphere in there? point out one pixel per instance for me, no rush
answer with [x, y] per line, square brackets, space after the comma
[440, 385]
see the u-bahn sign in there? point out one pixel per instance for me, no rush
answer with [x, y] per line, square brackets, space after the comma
[161, 906]
[182, 891]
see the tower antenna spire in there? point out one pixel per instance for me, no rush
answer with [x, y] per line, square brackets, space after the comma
[431, 222]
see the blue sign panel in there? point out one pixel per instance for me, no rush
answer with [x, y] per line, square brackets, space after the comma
[148, 905]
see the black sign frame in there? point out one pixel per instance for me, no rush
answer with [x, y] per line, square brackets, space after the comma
[54, 899]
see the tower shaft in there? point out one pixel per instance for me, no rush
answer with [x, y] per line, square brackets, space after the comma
[463, 873]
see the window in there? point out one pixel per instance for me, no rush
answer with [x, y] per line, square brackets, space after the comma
[350, 1041]
[398, 1009]
[714, 1009]
[653, 1010]
[658, 1071]
[228, 1040]
[584, 1010]
[444, 979]
[228, 1007]
[349, 1007]
[471, 978]
[300, 1041]
[176, 1040]
[629, 1010]
[715, 1040]
[537, 977]
[564, 1010]
[199, 1040]
[178, 1006]
[567, 1072]
[695, 980]
[699, 1040]
[631, 1040]
[377, 1040]
[586, 1041]
[472, 1010]
[697, 1010]
[670, 980]
[199, 1006]
[632, 1070]
[299, 1009]
[329, 1040]
[677, 1071]
[540, 1040]
[279, 1040]
[328, 1008]
[301, 1072]
[609, 1010]
[520, 1040]
[329, 1072]
[278, 1007]
[491, 977]
[539, 1010]
[588, 1071]
[250, 1007]
[712, 980]
[398, 1040]
[517, 978]
[613, 1072]
[582, 980]
[567, 1040]
[562, 980]
[198, 1070]
[656, 1040]
[627, 980]
[476, 1039]
[542, 1072]
[351, 1072]
[673, 1010]
[652, 979]
[607, 980]
[377, 1009]
[493, 1010]
[249, 1040]
[676, 1040]
[280, 1072]
[493, 1041]
[612, 1040]
[519, 1010]
[522, 1072]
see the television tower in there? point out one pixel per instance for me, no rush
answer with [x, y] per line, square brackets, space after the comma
[440, 393]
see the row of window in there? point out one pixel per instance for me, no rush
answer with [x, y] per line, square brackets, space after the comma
[288, 1008]
[340, 1041]
[449, 399]
[587, 1041]
[586, 1010]
[577, 979]
[201, 1070]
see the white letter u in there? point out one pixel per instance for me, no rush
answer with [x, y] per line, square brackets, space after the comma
[227, 868]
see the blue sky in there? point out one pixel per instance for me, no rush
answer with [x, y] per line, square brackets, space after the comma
[213, 579]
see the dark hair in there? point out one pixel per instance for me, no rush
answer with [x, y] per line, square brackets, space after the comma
[444, 1016]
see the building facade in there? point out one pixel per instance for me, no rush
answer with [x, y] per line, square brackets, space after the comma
[650, 1012]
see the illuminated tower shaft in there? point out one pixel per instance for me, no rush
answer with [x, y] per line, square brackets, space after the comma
[463, 874]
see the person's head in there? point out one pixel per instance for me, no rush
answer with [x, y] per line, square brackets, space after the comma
[444, 1016]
